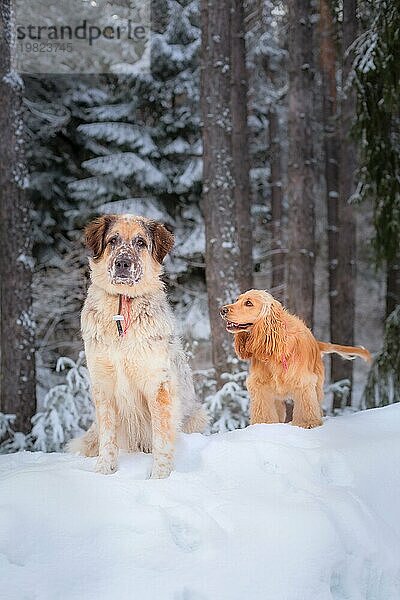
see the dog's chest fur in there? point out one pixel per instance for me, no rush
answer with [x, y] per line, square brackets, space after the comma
[150, 318]
[271, 371]
[131, 360]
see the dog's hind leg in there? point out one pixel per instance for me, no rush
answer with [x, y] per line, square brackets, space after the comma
[307, 410]
[281, 410]
[87, 444]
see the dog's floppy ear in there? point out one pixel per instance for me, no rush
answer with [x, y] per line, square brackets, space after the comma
[162, 240]
[257, 341]
[95, 234]
[242, 345]
[269, 335]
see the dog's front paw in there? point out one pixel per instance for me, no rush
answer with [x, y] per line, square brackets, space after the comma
[104, 466]
[160, 471]
[308, 424]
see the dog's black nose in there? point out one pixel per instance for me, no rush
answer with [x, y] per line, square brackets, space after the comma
[123, 265]
[223, 311]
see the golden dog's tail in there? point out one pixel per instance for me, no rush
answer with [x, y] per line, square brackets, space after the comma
[347, 352]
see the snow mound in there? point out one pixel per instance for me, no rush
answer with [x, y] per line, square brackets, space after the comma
[271, 512]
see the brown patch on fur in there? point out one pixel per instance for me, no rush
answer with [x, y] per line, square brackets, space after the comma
[164, 404]
[163, 240]
[163, 396]
[95, 234]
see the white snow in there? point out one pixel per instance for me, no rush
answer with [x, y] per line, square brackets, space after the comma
[193, 173]
[120, 133]
[271, 512]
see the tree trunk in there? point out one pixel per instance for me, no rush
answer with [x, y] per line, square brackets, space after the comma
[346, 266]
[331, 145]
[227, 225]
[240, 147]
[17, 378]
[275, 182]
[392, 285]
[277, 257]
[302, 171]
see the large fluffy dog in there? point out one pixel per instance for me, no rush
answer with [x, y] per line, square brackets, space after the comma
[286, 359]
[141, 383]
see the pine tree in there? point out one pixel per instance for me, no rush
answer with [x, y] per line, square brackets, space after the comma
[302, 170]
[122, 142]
[53, 109]
[240, 144]
[328, 67]
[223, 149]
[344, 304]
[376, 80]
[267, 60]
[340, 163]
[17, 373]
[142, 139]
[383, 385]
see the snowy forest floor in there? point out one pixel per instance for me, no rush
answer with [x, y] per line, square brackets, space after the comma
[269, 512]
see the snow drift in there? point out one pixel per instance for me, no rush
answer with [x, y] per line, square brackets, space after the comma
[271, 512]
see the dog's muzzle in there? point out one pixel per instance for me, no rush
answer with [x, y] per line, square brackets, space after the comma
[126, 270]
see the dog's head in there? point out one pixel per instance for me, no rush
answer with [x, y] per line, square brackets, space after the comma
[127, 252]
[258, 320]
[250, 307]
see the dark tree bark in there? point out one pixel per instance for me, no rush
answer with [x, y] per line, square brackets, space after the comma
[392, 285]
[331, 144]
[17, 380]
[346, 264]
[275, 161]
[276, 191]
[257, 21]
[240, 148]
[228, 255]
[302, 171]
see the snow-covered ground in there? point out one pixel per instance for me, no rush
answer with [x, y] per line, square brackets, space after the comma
[271, 512]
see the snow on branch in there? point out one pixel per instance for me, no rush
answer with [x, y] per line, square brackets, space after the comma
[67, 411]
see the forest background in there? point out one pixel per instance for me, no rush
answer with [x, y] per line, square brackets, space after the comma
[266, 134]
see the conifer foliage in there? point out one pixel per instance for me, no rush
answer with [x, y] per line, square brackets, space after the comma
[377, 81]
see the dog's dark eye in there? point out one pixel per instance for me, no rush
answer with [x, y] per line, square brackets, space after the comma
[141, 243]
[112, 241]
[248, 303]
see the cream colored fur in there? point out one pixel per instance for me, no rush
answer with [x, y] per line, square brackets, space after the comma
[141, 383]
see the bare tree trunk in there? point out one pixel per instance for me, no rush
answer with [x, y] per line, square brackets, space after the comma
[346, 265]
[275, 161]
[302, 171]
[274, 158]
[240, 148]
[227, 224]
[17, 380]
[393, 285]
[331, 145]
